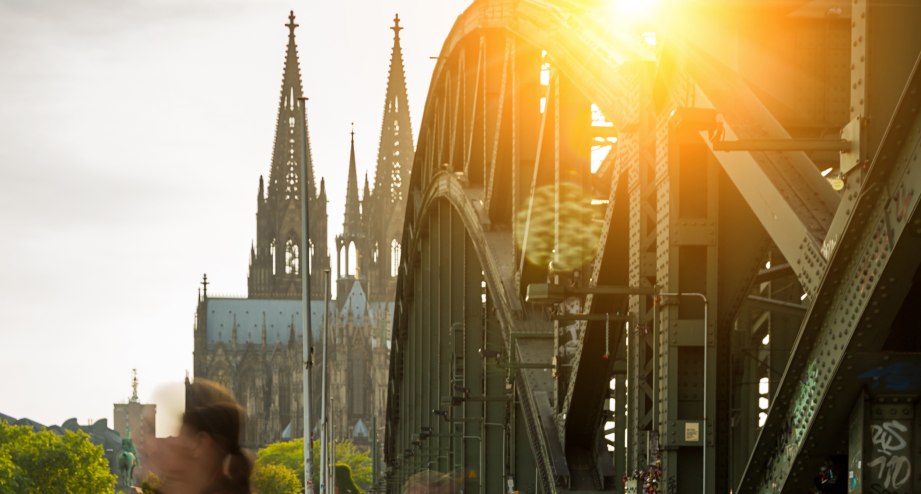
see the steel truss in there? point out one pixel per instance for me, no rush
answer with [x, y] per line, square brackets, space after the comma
[713, 187]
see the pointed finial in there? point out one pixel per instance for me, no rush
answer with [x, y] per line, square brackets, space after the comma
[204, 284]
[353, 132]
[291, 25]
[134, 386]
[396, 26]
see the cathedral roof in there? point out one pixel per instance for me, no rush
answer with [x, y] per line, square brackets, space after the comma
[249, 313]
[356, 302]
[360, 431]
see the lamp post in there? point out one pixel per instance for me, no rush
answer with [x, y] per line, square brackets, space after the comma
[703, 432]
[305, 297]
[324, 409]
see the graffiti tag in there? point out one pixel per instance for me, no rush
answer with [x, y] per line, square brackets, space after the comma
[892, 467]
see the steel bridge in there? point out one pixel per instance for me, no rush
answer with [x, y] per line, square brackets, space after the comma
[688, 248]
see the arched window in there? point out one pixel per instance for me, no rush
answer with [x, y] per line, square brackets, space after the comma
[351, 263]
[396, 180]
[394, 258]
[272, 255]
[291, 257]
[291, 181]
[358, 382]
[375, 253]
[310, 256]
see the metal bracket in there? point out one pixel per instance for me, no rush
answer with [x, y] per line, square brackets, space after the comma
[839, 145]
[852, 132]
[551, 293]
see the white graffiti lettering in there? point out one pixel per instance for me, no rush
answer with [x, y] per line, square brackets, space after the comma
[893, 469]
[888, 437]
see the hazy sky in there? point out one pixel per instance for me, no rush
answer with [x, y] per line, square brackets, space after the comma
[132, 136]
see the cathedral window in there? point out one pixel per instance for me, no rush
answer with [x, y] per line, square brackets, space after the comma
[351, 260]
[310, 254]
[396, 183]
[272, 255]
[358, 380]
[291, 257]
[291, 181]
[394, 257]
[375, 253]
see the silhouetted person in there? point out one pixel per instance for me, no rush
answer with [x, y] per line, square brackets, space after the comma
[206, 457]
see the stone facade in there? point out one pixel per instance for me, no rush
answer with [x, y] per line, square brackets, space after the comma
[253, 345]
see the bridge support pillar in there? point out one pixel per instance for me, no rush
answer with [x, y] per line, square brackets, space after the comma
[638, 151]
[687, 240]
[883, 456]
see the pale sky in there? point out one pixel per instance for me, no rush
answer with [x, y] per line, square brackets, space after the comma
[132, 136]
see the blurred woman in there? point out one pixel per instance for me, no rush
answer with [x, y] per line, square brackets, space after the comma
[206, 457]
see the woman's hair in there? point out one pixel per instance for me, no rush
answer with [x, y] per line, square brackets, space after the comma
[210, 408]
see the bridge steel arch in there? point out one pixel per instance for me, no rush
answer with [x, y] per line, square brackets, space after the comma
[802, 349]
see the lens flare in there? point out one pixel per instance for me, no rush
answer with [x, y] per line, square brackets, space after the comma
[635, 9]
[578, 230]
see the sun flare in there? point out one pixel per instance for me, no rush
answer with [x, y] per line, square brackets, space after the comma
[635, 10]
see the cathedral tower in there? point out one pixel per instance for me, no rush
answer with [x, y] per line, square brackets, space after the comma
[351, 246]
[275, 257]
[386, 206]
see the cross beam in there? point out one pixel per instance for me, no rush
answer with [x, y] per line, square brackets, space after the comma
[856, 303]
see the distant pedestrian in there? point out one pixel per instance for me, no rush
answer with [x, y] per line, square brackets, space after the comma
[207, 458]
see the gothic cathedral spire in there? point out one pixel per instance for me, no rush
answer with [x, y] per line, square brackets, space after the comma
[386, 206]
[352, 223]
[351, 246]
[276, 261]
[395, 155]
[290, 147]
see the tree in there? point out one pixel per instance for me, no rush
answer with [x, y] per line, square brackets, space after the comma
[151, 484]
[276, 479]
[44, 462]
[288, 454]
[357, 460]
[291, 454]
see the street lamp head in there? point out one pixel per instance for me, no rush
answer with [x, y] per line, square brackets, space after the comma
[544, 294]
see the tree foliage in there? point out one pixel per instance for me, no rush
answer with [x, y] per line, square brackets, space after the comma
[288, 454]
[150, 484]
[44, 462]
[291, 454]
[276, 479]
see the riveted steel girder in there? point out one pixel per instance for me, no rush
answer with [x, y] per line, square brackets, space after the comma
[522, 392]
[856, 303]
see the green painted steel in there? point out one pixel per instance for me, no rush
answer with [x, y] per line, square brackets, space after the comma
[753, 314]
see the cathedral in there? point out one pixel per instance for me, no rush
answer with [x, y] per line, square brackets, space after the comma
[253, 345]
